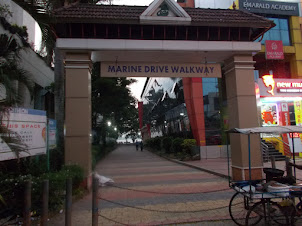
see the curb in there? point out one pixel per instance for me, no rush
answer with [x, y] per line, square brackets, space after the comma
[197, 167]
[194, 167]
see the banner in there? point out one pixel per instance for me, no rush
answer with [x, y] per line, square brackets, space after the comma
[112, 69]
[30, 126]
[298, 112]
[284, 121]
[298, 115]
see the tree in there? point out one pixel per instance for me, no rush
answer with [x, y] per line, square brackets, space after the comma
[10, 71]
[10, 76]
[112, 100]
[42, 12]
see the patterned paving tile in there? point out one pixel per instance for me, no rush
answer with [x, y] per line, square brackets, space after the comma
[141, 178]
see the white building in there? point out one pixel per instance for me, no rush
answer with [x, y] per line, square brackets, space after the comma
[42, 74]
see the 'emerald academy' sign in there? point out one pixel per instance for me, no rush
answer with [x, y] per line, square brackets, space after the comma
[270, 7]
[111, 69]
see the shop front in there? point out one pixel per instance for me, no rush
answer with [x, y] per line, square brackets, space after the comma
[279, 103]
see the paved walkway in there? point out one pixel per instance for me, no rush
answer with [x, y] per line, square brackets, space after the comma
[150, 190]
[219, 166]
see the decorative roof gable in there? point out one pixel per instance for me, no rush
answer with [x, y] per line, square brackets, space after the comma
[165, 12]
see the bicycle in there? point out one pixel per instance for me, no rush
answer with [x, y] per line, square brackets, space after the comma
[244, 210]
[239, 206]
[241, 202]
[267, 212]
[296, 210]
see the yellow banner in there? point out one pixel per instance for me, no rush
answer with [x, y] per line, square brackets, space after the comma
[298, 115]
[298, 112]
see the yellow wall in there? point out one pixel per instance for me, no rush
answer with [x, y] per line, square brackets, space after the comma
[293, 52]
[296, 59]
[278, 144]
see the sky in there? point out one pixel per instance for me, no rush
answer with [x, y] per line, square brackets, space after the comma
[137, 88]
[132, 2]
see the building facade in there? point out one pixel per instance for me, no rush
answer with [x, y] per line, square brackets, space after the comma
[41, 75]
[279, 59]
[162, 40]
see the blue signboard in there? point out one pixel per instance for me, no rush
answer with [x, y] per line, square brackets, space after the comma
[52, 131]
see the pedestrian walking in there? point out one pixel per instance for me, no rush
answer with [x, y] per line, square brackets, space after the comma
[136, 144]
[141, 145]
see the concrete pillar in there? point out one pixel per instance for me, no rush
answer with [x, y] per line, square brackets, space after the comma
[78, 111]
[242, 107]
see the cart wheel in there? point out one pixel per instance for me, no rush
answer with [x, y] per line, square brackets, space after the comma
[238, 208]
[267, 212]
[296, 213]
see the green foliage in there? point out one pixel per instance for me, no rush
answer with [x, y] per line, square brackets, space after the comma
[157, 143]
[112, 99]
[154, 143]
[179, 148]
[4, 11]
[98, 152]
[167, 144]
[182, 156]
[22, 31]
[188, 145]
[177, 145]
[10, 72]
[12, 189]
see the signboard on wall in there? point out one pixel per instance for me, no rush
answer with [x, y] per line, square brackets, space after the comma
[112, 69]
[270, 7]
[269, 114]
[30, 126]
[52, 132]
[270, 87]
[274, 50]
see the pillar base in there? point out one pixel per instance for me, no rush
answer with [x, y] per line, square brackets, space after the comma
[240, 173]
[87, 182]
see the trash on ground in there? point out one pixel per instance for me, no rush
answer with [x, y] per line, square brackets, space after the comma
[103, 181]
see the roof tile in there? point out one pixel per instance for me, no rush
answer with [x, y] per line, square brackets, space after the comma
[214, 17]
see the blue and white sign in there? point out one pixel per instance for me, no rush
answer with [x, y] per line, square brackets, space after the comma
[112, 69]
[52, 132]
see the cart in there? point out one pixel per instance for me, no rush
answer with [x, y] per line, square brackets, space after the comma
[254, 204]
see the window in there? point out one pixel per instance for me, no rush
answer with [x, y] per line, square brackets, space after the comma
[279, 32]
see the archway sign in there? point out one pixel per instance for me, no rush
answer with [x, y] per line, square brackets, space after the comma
[161, 40]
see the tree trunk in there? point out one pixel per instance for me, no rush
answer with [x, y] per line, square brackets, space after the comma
[59, 98]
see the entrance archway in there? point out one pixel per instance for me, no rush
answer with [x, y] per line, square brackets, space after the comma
[126, 37]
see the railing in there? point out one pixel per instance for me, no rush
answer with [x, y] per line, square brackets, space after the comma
[286, 147]
[265, 153]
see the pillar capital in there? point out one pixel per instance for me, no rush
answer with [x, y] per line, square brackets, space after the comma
[244, 62]
[78, 60]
